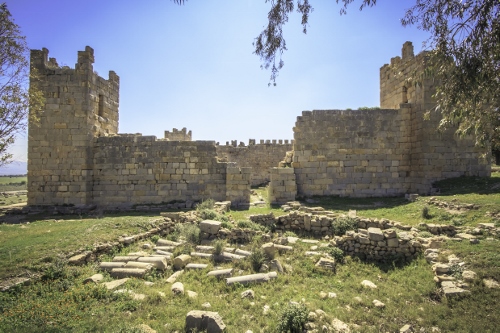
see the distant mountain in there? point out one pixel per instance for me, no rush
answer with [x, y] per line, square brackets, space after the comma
[14, 168]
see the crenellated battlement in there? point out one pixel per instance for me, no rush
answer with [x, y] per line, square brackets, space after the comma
[178, 135]
[252, 142]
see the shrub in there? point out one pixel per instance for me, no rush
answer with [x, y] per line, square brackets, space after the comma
[190, 233]
[219, 246]
[246, 224]
[425, 234]
[292, 319]
[257, 258]
[208, 214]
[425, 213]
[336, 254]
[343, 224]
[227, 225]
[456, 271]
[289, 234]
[206, 204]
[457, 221]
[155, 238]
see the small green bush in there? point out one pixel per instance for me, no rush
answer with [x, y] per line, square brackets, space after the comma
[425, 234]
[206, 204]
[247, 224]
[257, 258]
[457, 221]
[337, 254]
[456, 271]
[343, 224]
[219, 246]
[227, 225]
[190, 232]
[289, 234]
[208, 214]
[425, 213]
[293, 319]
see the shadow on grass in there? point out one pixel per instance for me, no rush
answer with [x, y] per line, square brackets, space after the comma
[468, 185]
[359, 204]
[17, 218]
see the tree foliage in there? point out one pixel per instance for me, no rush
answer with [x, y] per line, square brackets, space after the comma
[465, 44]
[16, 97]
[465, 56]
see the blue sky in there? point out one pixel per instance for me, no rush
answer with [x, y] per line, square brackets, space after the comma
[192, 66]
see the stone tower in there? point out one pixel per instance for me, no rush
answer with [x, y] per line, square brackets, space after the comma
[79, 107]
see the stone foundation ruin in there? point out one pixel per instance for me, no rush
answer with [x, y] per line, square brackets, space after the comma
[76, 156]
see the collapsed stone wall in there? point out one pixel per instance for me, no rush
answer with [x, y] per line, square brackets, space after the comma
[260, 157]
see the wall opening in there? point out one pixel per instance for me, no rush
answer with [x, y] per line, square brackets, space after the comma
[404, 95]
[100, 111]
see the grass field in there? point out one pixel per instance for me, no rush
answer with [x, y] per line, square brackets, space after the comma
[60, 302]
[12, 183]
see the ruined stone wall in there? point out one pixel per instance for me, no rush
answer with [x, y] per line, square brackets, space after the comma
[283, 185]
[140, 169]
[384, 152]
[80, 105]
[176, 135]
[352, 153]
[260, 157]
[76, 157]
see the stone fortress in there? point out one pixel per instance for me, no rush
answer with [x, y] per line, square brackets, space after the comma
[76, 156]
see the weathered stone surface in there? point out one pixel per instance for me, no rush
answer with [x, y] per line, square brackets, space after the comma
[275, 265]
[490, 283]
[204, 320]
[174, 276]
[406, 329]
[392, 242]
[125, 258]
[136, 264]
[196, 266]
[79, 259]
[94, 278]
[326, 263]
[114, 284]
[166, 242]
[340, 327]
[181, 261]
[128, 272]
[469, 276]
[375, 234]
[249, 293]
[378, 304]
[108, 266]
[158, 262]
[441, 268]
[450, 289]
[269, 249]
[221, 273]
[257, 278]
[177, 288]
[210, 227]
[368, 284]
[192, 294]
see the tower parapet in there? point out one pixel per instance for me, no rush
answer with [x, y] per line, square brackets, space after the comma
[79, 106]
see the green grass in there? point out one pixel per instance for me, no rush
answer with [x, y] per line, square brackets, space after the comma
[31, 246]
[61, 303]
